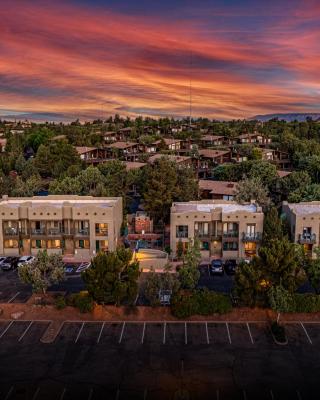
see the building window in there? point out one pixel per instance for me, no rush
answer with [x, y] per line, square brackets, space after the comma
[204, 246]
[102, 245]
[82, 244]
[250, 249]
[11, 244]
[182, 231]
[38, 244]
[230, 246]
[101, 229]
[54, 244]
[201, 228]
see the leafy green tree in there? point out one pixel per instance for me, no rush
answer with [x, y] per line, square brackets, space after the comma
[252, 189]
[28, 188]
[249, 285]
[43, 272]
[312, 267]
[296, 181]
[264, 171]
[307, 193]
[67, 185]
[189, 272]
[161, 188]
[116, 178]
[20, 164]
[280, 300]
[112, 277]
[272, 227]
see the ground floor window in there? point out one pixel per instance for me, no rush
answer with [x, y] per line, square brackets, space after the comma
[11, 244]
[38, 244]
[250, 249]
[102, 245]
[83, 244]
[54, 244]
[230, 246]
[204, 246]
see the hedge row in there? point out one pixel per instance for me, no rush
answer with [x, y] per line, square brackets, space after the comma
[199, 302]
[306, 303]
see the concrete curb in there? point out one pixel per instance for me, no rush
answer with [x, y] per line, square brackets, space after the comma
[52, 332]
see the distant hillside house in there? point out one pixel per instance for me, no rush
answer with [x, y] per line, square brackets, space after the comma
[219, 190]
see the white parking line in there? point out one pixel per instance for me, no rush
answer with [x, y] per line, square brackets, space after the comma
[12, 298]
[145, 394]
[249, 330]
[305, 331]
[229, 337]
[244, 394]
[9, 393]
[185, 334]
[271, 394]
[298, 395]
[143, 331]
[164, 332]
[90, 394]
[122, 330]
[63, 393]
[4, 332]
[79, 333]
[207, 333]
[36, 394]
[118, 394]
[26, 330]
[100, 333]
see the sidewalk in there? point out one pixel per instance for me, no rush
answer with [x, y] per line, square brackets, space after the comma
[29, 311]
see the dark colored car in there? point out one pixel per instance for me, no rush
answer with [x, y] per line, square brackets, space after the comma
[216, 267]
[9, 263]
[69, 269]
[230, 267]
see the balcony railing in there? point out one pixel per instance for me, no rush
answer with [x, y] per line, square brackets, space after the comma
[101, 232]
[38, 232]
[182, 235]
[54, 232]
[231, 234]
[11, 231]
[251, 237]
[307, 238]
[82, 232]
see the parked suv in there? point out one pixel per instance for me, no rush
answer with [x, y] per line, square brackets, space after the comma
[230, 267]
[216, 267]
[9, 263]
[25, 260]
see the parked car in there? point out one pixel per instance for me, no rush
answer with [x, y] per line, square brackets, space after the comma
[2, 258]
[25, 260]
[9, 263]
[216, 267]
[83, 267]
[230, 267]
[69, 268]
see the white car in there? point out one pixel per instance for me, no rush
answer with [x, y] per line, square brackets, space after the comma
[83, 267]
[2, 258]
[25, 260]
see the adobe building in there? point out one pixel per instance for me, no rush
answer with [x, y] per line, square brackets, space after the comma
[226, 229]
[77, 226]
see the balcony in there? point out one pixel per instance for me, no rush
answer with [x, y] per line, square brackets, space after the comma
[54, 232]
[82, 232]
[307, 238]
[231, 234]
[101, 232]
[251, 237]
[11, 231]
[38, 232]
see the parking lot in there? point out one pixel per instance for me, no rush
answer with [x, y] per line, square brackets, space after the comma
[150, 360]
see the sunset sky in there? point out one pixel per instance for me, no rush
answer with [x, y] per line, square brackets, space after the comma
[67, 59]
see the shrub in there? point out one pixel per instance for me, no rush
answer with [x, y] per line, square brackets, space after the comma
[82, 301]
[306, 303]
[60, 302]
[201, 302]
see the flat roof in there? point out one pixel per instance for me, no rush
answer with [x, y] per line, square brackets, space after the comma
[230, 207]
[312, 207]
[59, 201]
[218, 187]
